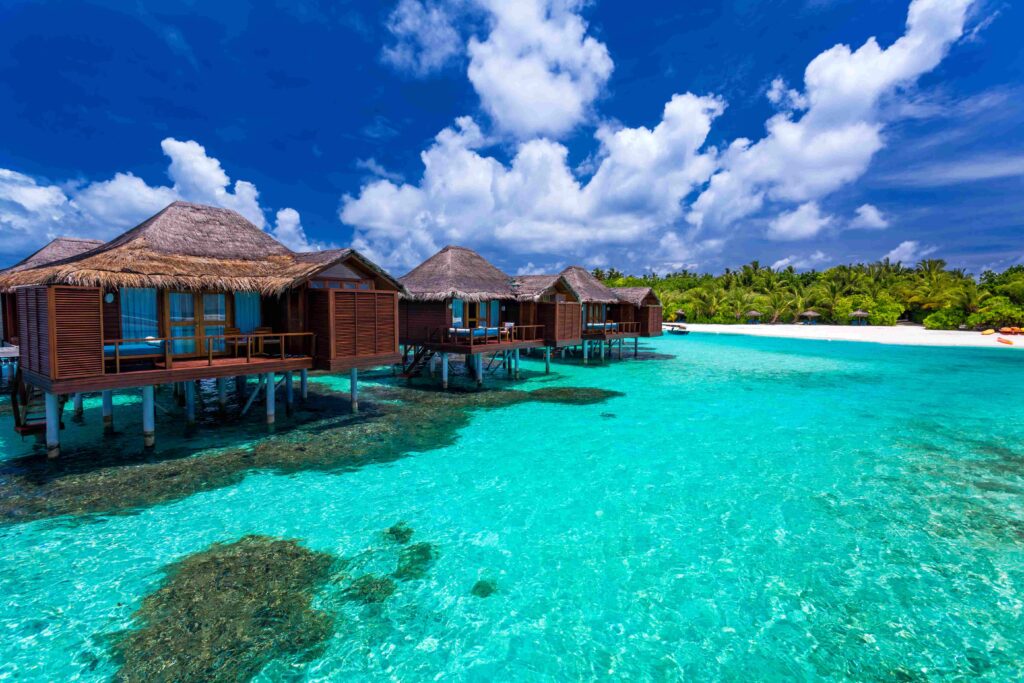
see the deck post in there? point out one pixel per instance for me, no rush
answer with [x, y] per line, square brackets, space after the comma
[190, 403]
[304, 383]
[547, 360]
[444, 370]
[586, 352]
[479, 358]
[148, 417]
[79, 408]
[515, 357]
[222, 392]
[108, 411]
[271, 391]
[52, 426]
[601, 344]
[354, 390]
[289, 392]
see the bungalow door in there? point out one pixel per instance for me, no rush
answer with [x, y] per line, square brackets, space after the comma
[192, 317]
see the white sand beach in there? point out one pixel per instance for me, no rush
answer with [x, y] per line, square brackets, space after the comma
[901, 334]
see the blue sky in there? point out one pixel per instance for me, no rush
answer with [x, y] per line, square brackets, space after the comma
[541, 132]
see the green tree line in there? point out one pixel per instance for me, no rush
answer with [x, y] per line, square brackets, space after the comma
[930, 293]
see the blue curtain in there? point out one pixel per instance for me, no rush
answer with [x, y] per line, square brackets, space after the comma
[138, 313]
[247, 311]
[457, 319]
[495, 313]
[183, 306]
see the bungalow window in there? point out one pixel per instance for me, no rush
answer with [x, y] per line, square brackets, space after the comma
[138, 313]
[247, 311]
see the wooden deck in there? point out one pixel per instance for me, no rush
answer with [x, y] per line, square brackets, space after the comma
[492, 347]
[182, 371]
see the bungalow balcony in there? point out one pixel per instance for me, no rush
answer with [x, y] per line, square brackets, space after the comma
[483, 339]
[610, 330]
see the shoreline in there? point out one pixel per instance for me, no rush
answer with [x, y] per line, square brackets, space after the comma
[903, 335]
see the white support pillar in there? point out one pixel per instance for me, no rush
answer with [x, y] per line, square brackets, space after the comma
[271, 390]
[52, 426]
[108, 411]
[601, 345]
[354, 390]
[621, 342]
[444, 370]
[148, 417]
[636, 346]
[190, 402]
[515, 358]
[506, 361]
[547, 360]
[479, 369]
[433, 366]
[289, 392]
[586, 352]
[304, 384]
[79, 408]
[222, 392]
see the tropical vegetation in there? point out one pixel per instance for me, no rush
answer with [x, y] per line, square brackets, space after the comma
[930, 293]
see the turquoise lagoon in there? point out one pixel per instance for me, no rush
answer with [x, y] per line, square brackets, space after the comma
[748, 509]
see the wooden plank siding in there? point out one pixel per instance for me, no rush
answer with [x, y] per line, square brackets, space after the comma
[78, 332]
[650, 321]
[354, 328]
[34, 329]
[562, 323]
[112, 316]
[418, 318]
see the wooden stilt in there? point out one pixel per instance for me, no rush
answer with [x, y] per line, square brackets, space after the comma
[354, 390]
[108, 411]
[190, 403]
[444, 370]
[479, 369]
[547, 361]
[515, 358]
[52, 426]
[148, 417]
[271, 395]
[222, 392]
[304, 384]
[585, 352]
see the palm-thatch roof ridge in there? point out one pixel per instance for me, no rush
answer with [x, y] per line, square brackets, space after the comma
[184, 246]
[589, 288]
[534, 287]
[457, 273]
[633, 295]
[325, 258]
[57, 249]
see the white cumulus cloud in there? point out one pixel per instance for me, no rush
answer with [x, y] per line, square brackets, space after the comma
[804, 222]
[32, 212]
[818, 258]
[869, 218]
[909, 251]
[425, 38]
[537, 72]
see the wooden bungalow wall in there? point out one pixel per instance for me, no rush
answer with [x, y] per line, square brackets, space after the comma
[562, 322]
[650, 321]
[417, 319]
[353, 328]
[61, 331]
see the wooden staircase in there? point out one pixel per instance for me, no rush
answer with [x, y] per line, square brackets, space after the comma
[28, 403]
[414, 368]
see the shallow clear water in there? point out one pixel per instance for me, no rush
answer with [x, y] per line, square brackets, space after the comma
[750, 509]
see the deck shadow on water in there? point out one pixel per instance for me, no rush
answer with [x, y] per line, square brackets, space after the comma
[395, 422]
[226, 612]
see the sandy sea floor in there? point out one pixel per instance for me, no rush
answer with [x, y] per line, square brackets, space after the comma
[908, 335]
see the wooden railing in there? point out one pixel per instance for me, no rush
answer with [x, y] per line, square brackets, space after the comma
[482, 336]
[611, 327]
[270, 344]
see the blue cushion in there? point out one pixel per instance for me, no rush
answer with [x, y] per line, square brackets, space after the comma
[135, 349]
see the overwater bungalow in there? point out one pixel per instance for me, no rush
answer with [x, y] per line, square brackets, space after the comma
[194, 292]
[458, 303]
[642, 305]
[57, 249]
[606, 318]
[550, 301]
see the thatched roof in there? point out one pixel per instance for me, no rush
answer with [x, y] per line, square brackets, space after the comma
[57, 249]
[457, 273]
[589, 288]
[534, 287]
[634, 295]
[859, 314]
[810, 314]
[184, 246]
[753, 314]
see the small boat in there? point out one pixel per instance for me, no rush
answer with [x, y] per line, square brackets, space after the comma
[1001, 340]
[676, 328]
